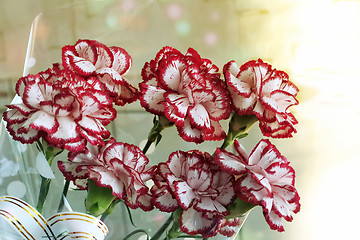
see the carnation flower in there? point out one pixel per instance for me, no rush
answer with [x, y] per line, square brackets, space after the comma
[257, 89]
[264, 178]
[119, 166]
[187, 89]
[65, 115]
[90, 58]
[190, 180]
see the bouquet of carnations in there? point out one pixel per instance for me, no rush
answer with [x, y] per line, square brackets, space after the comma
[66, 110]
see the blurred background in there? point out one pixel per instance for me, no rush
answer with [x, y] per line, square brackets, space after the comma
[315, 42]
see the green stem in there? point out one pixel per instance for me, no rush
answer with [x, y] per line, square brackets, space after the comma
[160, 123]
[44, 190]
[162, 229]
[64, 194]
[147, 146]
[239, 125]
[50, 153]
[109, 210]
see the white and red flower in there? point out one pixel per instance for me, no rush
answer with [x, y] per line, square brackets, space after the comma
[258, 89]
[90, 58]
[119, 166]
[263, 178]
[187, 89]
[192, 181]
[65, 115]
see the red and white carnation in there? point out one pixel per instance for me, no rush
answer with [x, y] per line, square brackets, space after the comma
[258, 89]
[119, 166]
[60, 107]
[187, 89]
[192, 181]
[263, 178]
[90, 58]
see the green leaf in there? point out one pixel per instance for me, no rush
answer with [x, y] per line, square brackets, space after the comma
[135, 232]
[130, 216]
[240, 136]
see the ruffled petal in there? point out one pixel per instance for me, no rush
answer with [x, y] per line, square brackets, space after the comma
[229, 162]
[152, 98]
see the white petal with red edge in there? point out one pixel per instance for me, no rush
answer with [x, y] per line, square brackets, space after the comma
[170, 73]
[274, 221]
[281, 174]
[242, 82]
[175, 163]
[122, 60]
[262, 180]
[180, 103]
[107, 178]
[94, 139]
[226, 195]
[44, 121]
[241, 151]
[229, 162]
[14, 116]
[200, 117]
[262, 72]
[104, 56]
[171, 114]
[109, 73]
[30, 136]
[152, 98]
[257, 154]
[253, 190]
[289, 87]
[81, 65]
[217, 134]
[209, 205]
[270, 84]
[279, 101]
[22, 108]
[198, 179]
[184, 194]
[144, 202]
[73, 170]
[165, 201]
[282, 208]
[192, 222]
[91, 125]
[33, 95]
[84, 49]
[242, 104]
[188, 133]
[66, 131]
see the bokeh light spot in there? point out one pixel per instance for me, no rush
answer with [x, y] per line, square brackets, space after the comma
[174, 11]
[211, 38]
[183, 27]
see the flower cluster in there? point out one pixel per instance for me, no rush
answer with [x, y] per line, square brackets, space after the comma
[187, 89]
[69, 105]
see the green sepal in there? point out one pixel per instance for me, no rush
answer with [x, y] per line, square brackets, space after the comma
[98, 199]
[238, 208]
